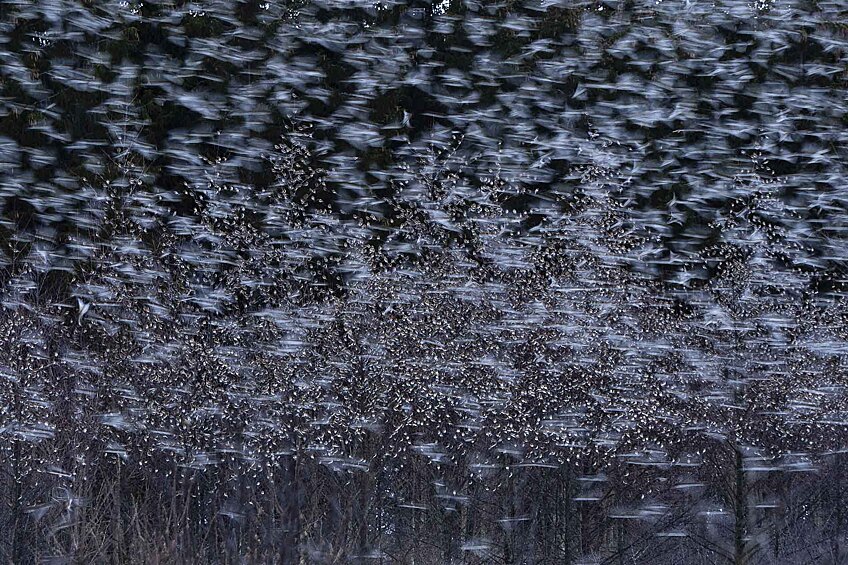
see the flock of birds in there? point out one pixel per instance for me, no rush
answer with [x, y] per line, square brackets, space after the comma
[477, 231]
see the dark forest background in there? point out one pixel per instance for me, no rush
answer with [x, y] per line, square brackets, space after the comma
[409, 282]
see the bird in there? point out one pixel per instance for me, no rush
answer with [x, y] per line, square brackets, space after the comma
[83, 310]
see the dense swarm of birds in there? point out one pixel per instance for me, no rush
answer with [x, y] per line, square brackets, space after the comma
[313, 281]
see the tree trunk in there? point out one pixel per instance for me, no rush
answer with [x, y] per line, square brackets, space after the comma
[740, 528]
[289, 552]
[566, 498]
[836, 541]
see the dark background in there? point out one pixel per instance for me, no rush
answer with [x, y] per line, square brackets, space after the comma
[496, 282]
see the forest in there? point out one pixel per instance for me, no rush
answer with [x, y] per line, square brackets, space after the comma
[457, 282]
